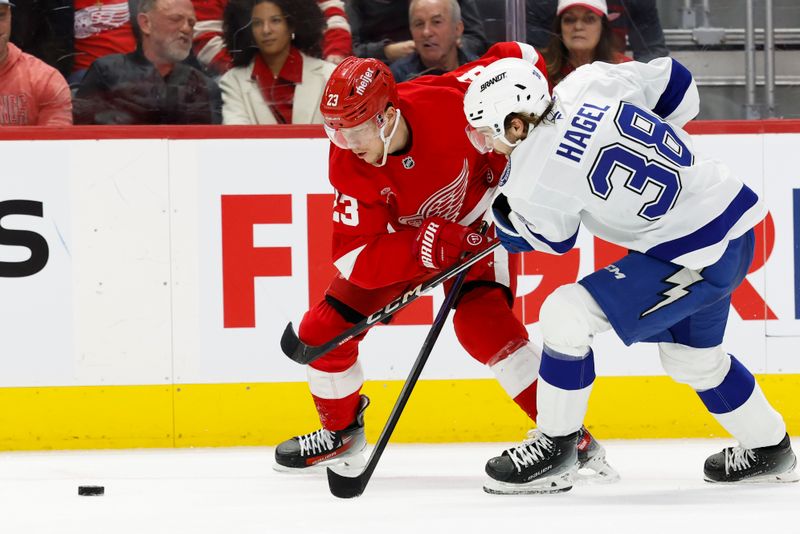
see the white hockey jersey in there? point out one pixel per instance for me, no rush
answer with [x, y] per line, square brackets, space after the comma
[614, 157]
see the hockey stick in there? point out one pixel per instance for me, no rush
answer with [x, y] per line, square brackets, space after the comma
[305, 354]
[347, 487]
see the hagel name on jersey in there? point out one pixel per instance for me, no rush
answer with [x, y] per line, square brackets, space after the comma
[576, 139]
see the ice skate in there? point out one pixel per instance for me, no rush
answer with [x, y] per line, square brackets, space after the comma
[324, 448]
[540, 465]
[737, 465]
[593, 468]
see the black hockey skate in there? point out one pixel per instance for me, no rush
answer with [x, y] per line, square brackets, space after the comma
[542, 464]
[323, 448]
[763, 464]
[593, 468]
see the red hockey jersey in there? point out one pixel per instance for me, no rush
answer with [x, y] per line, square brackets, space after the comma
[101, 27]
[377, 210]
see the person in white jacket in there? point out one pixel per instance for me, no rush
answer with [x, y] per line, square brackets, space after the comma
[607, 151]
[274, 79]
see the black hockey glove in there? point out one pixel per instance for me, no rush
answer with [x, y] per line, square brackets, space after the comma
[511, 240]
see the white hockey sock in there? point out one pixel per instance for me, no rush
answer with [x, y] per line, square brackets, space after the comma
[519, 369]
[565, 383]
[739, 405]
[335, 385]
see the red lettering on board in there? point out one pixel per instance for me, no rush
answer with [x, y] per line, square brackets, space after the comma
[242, 262]
[555, 271]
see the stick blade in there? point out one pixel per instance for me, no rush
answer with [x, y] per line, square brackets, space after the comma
[345, 487]
[292, 346]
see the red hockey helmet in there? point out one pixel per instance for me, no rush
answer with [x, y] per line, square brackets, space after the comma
[358, 89]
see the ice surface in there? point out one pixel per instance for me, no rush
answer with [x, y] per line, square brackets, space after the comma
[416, 489]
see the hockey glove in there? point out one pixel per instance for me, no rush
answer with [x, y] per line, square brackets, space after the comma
[440, 243]
[506, 233]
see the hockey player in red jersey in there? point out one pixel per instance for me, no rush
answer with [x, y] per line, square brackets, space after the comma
[410, 192]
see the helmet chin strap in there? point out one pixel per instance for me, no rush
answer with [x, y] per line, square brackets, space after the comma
[508, 143]
[388, 140]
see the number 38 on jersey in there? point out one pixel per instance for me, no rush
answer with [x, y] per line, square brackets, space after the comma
[644, 130]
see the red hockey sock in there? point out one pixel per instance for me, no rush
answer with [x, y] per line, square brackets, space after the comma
[527, 400]
[337, 414]
[486, 325]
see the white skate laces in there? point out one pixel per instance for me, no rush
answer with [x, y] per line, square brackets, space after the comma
[738, 458]
[533, 449]
[319, 441]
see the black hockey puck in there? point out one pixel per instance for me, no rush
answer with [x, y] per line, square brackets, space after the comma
[91, 490]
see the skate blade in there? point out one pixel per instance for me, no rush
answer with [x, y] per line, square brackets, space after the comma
[596, 471]
[553, 484]
[348, 466]
[782, 478]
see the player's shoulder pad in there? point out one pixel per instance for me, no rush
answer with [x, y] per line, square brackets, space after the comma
[440, 99]
[512, 49]
[351, 176]
[523, 168]
[515, 49]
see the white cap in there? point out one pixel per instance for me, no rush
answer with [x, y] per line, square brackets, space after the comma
[597, 6]
[6, 3]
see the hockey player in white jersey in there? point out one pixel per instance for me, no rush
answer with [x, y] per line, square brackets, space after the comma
[607, 150]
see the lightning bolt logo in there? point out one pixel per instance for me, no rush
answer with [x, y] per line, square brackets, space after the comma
[681, 281]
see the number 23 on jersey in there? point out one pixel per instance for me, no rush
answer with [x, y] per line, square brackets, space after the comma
[345, 209]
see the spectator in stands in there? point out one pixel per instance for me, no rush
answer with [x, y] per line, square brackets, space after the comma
[381, 29]
[337, 43]
[151, 85]
[636, 20]
[31, 91]
[275, 79]
[101, 28]
[43, 28]
[212, 51]
[209, 46]
[436, 28]
[581, 35]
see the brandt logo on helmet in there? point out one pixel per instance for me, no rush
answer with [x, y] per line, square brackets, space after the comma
[492, 81]
[364, 80]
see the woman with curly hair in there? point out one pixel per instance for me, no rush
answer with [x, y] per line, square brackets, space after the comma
[581, 35]
[276, 77]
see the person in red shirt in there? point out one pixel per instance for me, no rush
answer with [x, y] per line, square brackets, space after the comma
[337, 41]
[32, 93]
[102, 27]
[410, 193]
[581, 34]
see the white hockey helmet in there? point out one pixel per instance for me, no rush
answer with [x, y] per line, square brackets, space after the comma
[509, 85]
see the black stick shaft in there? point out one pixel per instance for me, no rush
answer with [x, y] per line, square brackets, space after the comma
[347, 487]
